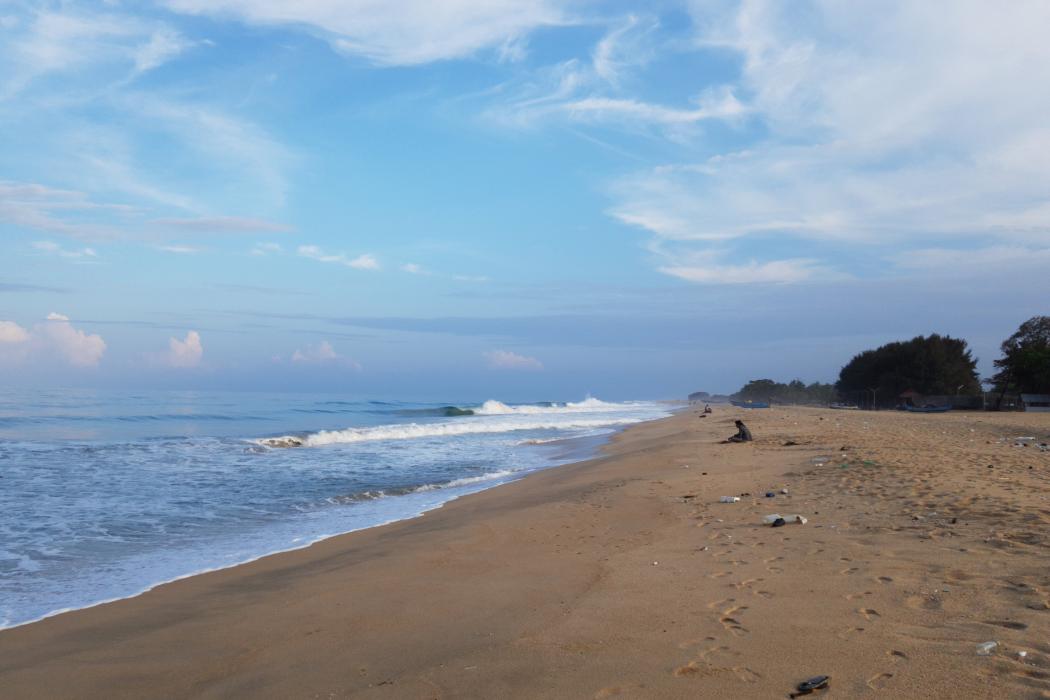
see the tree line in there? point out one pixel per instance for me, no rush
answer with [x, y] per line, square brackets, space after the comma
[933, 365]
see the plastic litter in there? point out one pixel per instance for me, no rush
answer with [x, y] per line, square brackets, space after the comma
[729, 499]
[808, 686]
[784, 491]
[1022, 654]
[779, 522]
[770, 494]
[986, 648]
[772, 518]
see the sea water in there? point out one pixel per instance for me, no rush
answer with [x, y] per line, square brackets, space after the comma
[105, 495]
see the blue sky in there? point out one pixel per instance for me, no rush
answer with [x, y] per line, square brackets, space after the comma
[523, 200]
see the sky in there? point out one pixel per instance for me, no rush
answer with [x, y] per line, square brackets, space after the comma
[523, 200]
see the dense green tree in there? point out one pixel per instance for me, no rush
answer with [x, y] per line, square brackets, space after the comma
[795, 391]
[1025, 364]
[931, 365]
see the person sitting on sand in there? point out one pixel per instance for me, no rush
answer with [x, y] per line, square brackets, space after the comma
[707, 408]
[742, 433]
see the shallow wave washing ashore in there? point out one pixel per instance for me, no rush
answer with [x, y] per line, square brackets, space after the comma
[411, 431]
[157, 500]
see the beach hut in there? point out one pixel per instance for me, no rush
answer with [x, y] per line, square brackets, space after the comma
[1038, 403]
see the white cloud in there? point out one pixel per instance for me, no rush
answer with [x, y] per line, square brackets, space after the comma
[361, 262]
[185, 353]
[593, 93]
[323, 353]
[975, 261]
[56, 335]
[717, 104]
[223, 224]
[52, 41]
[55, 249]
[57, 211]
[405, 32]
[624, 48]
[413, 269]
[180, 249]
[226, 146]
[776, 271]
[888, 125]
[505, 359]
[11, 332]
[267, 249]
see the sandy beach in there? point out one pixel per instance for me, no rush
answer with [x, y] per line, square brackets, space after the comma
[623, 576]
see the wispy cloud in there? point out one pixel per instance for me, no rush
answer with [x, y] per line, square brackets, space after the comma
[864, 142]
[323, 354]
[52, 248]
[776, 271]
[58, 211]
[54, 41]
[407, 32]
[505, 359]
[180, 249]
[361, 262]
[222, 224]
[594, 93]
[261, 249]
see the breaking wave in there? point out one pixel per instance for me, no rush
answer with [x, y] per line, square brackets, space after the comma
[412, 431]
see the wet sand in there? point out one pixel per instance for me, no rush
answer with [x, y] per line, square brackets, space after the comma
[624, 576]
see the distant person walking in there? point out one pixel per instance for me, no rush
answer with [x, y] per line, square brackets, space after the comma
[742, 433]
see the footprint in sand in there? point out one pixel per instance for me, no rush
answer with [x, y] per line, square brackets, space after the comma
[746, 674]
[731, 623]
[733, 626]
[880, 681]
[850, 632]
[897, 655]
[856, 596]
[884, 579]
[868, 613]
[774, 570]
[615, 691]
[690, 669]
[850, 571]
[719, 574]
[747, 583]
[720, 603]
[718, 655]
[764, 594]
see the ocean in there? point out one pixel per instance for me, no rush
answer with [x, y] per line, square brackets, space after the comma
[106, 495]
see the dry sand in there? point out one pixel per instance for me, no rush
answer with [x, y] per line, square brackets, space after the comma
[624, 577]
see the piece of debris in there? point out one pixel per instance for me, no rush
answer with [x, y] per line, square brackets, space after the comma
[986, 648]
[729, 499]
[808, 686]
[772, 519]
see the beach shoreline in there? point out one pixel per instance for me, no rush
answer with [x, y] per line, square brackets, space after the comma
[617, 576]
[570, 450]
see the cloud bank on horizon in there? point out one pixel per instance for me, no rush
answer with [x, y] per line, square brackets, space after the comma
[424, 182]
